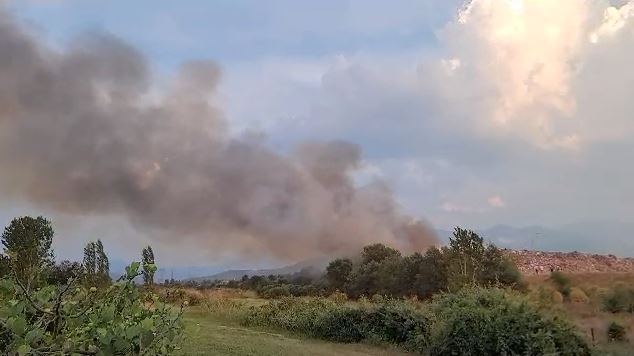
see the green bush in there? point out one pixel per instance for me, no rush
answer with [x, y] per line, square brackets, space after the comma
[496, 322]
[619, 300]
[562, 283]
[69, 320]
[340, 324]
[394, 322]
[616, 332]
[483, 321]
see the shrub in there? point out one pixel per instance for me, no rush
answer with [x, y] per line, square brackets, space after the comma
[616, 332]
[494, 322]
[557, 297]
[338, 297]
[340, 324]
[68, 320]
[561, 282]
[620, 299]
[394, 322]
[483, 321]
[273, 292]
[578, 296]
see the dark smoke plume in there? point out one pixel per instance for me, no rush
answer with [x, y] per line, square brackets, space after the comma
[86, 130]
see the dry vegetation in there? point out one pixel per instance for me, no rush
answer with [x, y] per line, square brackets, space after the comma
[585, 305]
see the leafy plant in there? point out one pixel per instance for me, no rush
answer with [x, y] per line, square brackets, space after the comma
[616, 332]
[496, 322]
[562, 283]
[619, 300]
[71, 319]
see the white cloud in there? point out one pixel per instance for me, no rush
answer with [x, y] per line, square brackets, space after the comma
[496, 201]
[516, 103]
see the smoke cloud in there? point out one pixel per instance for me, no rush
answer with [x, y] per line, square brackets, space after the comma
[86, 130]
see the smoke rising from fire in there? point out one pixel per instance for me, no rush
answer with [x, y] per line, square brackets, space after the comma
[84, 130]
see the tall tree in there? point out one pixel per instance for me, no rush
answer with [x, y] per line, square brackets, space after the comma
[466, 254]
[60, 273]
[27, 241]
[338, 273]
[149, 268]
[96, 264]
[90, 261]
[5, 265]
[102, 264]
[378, 253]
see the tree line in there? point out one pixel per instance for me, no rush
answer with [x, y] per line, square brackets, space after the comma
[381, 270]
[28, 255]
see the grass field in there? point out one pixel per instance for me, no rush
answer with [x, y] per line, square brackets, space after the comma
[213, 327]
[589, 316]
[207, 334]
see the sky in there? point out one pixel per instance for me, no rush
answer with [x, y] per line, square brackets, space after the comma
[475, 114]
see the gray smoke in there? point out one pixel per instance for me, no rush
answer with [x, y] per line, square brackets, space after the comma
[87, 130]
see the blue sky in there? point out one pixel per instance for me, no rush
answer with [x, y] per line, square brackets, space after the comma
[507, 111]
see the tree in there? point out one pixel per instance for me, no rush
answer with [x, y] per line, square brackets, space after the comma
[148, 266]
[96, 264]
[61, 273]
[465, 258]
[102, 264]
[27, 242]
[470, 262]
[89, 263]
[378, 253]
[338, 272]
[5, 265]
[432, 273]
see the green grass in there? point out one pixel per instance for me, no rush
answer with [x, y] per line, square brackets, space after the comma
[210, 335]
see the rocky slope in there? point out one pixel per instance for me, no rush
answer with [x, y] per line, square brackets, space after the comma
[531, 262]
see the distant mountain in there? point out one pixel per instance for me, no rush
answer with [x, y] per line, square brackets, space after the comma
[309, 266]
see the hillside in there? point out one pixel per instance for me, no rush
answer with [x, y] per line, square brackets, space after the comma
[308, 266]
[540, 262]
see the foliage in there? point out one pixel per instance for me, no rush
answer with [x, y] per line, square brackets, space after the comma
[616, 332]
[70, 319]
[619, 300]
[483, 321]
[62, 272]
[562, 283]
[148, 265]
[468, 261]
[27, 242]
[5, 265]
[102, 262]
[378, 253]
[393, 322]
[381, 270]
[577, 295]
[96, 265]
[180, 295]
[338, 272]
[495, 322]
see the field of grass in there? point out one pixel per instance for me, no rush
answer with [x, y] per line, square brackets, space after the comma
[208, 334]
[213, 325]
[589, 316]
